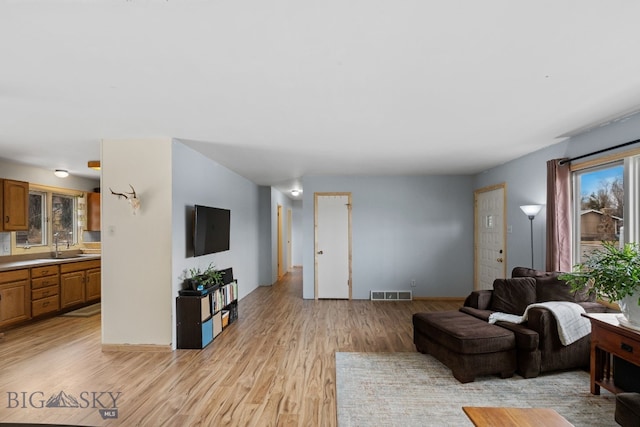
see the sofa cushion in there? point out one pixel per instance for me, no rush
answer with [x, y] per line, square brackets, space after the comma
[513, 295]
[477, 313]
[529, 272]
[550, 288]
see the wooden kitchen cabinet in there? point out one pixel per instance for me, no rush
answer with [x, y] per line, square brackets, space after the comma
[93, 285]
[14, 297]
[78, 282]
[93, 211]
[45, 290]
[14, 205]
[71, 289]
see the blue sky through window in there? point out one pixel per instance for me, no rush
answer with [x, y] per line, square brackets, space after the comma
[590, 182]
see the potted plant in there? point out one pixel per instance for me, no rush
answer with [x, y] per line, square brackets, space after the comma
[199, 279]
[611, 273]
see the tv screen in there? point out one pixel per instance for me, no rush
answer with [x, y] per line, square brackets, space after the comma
[210, 230]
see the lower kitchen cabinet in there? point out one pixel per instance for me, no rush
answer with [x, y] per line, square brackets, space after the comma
[15, 297]
[72, 289]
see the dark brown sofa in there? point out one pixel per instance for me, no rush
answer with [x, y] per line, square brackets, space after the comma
[537, 343]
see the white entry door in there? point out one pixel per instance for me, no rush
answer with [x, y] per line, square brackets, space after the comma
[490, 244]
[333, 245]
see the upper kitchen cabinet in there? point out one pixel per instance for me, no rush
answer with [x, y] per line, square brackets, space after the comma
[14, 204]
[93, 211]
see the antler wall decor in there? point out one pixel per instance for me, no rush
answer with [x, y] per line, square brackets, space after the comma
[131, 197]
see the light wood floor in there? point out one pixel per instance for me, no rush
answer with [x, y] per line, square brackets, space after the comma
[275, 366]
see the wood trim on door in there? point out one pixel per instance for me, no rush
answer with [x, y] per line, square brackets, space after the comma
[279, 244]
[315, 239]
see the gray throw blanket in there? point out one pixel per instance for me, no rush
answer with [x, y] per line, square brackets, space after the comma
[571, 325]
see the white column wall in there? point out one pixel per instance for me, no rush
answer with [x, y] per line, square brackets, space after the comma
[136, 249]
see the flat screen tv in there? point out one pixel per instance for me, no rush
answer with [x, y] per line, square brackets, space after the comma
[211, 228]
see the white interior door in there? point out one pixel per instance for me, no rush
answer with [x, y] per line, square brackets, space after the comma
[490, 243]
[333, 246]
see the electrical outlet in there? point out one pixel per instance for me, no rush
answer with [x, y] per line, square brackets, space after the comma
[413, 283]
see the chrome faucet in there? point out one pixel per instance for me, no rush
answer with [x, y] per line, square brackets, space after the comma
[55, 242]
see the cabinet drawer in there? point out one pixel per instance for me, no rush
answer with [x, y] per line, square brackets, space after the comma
[49, 291]
[624, 347]
[45, 305]
[80, 265]
[43, 282]
[14, 275]
[47, 270]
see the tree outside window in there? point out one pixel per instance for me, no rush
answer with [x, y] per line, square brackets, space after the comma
[601, 201]
[36, 234]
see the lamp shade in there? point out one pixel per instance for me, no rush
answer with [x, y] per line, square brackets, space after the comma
[531, 210]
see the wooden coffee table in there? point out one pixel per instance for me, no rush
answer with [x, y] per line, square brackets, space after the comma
[521, 417]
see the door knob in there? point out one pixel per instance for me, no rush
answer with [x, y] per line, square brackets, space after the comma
[499, 260]
[320, 252]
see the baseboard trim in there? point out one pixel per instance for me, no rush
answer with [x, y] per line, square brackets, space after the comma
[149, 348]
[450, 299]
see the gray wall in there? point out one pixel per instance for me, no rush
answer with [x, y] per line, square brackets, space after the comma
[526, 179]
[278, 198]
[296, 233]
[403, 228]
[199, 180]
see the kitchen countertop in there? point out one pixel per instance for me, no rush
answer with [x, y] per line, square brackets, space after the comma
[37, 262]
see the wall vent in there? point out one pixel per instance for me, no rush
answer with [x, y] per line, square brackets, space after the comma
[391, 296]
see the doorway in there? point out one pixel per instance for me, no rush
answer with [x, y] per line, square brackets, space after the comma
[332, 226]
[490, 247]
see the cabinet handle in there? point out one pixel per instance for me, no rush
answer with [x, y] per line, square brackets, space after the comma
[626, 347]
[44, 294]
[6, 219]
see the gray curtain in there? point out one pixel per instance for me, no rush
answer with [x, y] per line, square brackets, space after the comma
[558, 248]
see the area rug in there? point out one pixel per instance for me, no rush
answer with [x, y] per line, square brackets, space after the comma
[90, 310]
[413, 389]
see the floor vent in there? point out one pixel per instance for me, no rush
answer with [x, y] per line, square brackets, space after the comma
[391, 296]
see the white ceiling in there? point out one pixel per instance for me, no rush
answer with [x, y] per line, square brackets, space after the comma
[278, 89]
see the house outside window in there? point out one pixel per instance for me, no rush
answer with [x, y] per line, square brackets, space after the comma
[605, 194]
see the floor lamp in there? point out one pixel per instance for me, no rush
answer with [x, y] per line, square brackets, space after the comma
[531, 211]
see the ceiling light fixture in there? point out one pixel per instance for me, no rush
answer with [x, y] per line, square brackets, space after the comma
[94, 164]
[61, 173]
[295, 193]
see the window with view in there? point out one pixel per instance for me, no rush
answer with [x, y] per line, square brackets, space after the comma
[36, 234]
[52, 217]
[600, 210]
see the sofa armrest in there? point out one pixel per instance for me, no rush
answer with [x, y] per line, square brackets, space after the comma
[526, 339]
[479, 299]
[542, 321]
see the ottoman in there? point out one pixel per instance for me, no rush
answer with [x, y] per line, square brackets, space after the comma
[628, 409]
[468, 346]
